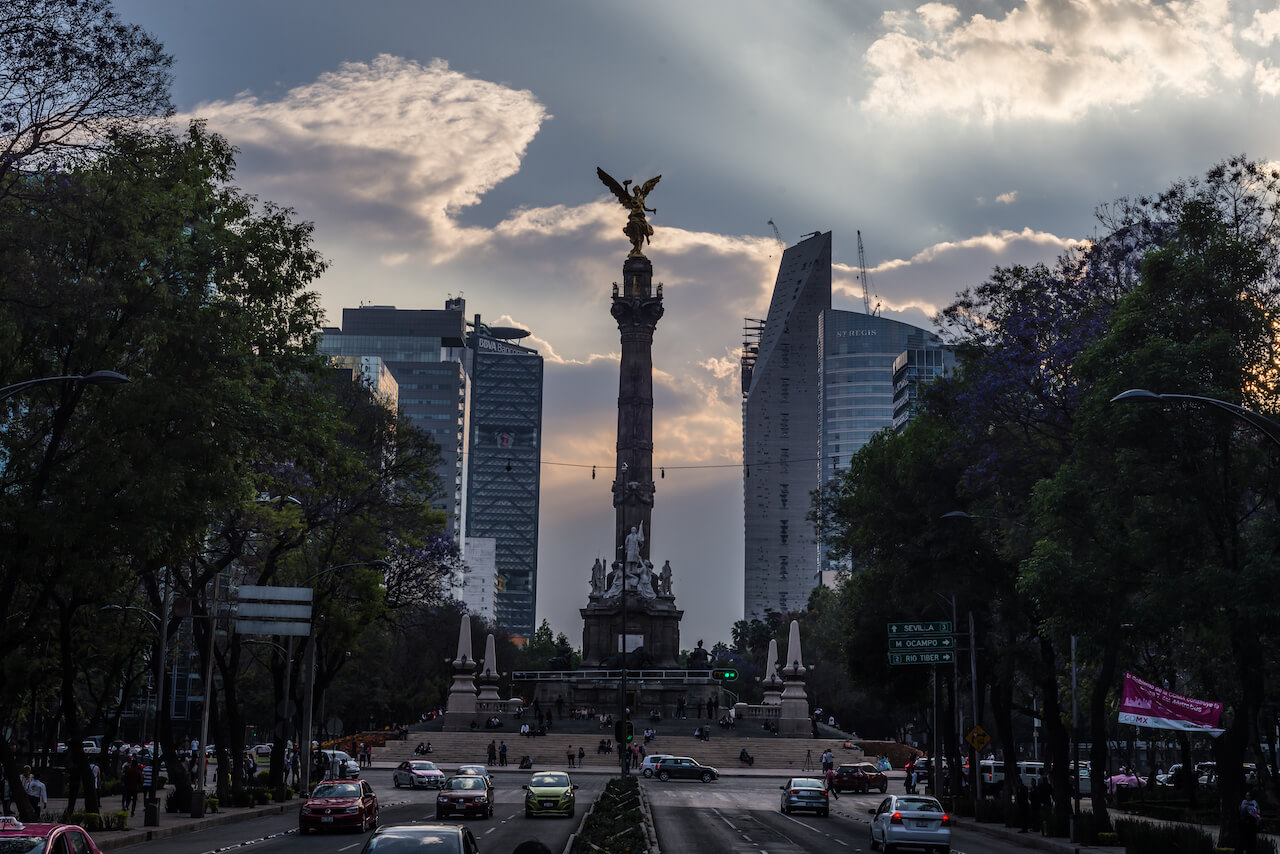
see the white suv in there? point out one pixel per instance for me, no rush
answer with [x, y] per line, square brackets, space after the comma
[650, 764]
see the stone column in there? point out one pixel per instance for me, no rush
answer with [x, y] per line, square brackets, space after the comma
[794, 720]
[637, 310]
[772, 684]
[461, 708]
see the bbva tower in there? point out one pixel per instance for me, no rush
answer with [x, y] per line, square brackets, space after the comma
[817, 382]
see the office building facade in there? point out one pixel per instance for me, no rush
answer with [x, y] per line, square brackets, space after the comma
[424, 350]
[504, 468]
[816, 383]
[780, 434]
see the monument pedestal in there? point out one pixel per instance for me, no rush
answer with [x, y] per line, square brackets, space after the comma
[652, 633]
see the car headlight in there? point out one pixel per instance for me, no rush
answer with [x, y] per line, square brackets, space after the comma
[442, 797]
[351, 809]
[567, 795]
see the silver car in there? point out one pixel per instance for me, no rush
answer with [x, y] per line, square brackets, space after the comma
[911, 820]
[805, 793]
[417, 772]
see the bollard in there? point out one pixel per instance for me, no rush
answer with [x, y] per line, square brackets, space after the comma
[151, 812]
[197, 803]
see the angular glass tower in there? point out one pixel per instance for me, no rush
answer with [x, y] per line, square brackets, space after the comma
[504, 467]
[780, 435]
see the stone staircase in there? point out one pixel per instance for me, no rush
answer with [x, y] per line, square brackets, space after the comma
[448, 749]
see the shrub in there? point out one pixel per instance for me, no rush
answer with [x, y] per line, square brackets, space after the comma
[616, 821]
[90, 821]
[211, 804]
[179, 800]
[1140, 837]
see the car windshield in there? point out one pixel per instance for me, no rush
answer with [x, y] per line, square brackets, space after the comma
[919, 804]
[848, 769]
[423, 766]
[408, 840]
[336, 790]
[806, 783]
[549, 780]
[466, 783]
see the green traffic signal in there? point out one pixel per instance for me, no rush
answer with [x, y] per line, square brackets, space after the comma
[728, 674]
[630, 731]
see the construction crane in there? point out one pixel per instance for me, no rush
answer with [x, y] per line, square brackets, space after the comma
[866, 279]
[777, 234]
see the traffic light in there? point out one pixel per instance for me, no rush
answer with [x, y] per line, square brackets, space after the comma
[629, 731]
[728, 674]
[623, 731]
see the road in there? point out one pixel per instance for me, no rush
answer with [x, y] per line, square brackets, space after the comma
[279, 834]
[734, 815]
[741, 815]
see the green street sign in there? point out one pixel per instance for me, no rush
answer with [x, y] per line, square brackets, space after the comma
[944, 657]
[936, 627]
[922, 642]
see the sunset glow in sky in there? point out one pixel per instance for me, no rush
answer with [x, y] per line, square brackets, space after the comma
[450, 148]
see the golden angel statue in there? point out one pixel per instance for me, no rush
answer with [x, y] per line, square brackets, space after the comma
[638, 230]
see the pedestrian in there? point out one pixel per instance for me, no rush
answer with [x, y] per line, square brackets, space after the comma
[1250, 821]
[6, 797]
[295, 767]
[38, 794]
[502, 753]
[569, 754]
[493, 752]
[582, 755]
[1022, 803]
[830, 777]
[131, 782]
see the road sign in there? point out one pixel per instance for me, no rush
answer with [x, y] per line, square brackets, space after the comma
[978, 738]
[946, 656]
[935, 627]
[274, 610]
[921, 642]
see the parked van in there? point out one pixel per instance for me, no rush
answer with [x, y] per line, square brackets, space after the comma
[993, 772]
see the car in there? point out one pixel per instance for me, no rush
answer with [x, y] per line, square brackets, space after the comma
[339, 804]
[38, 837]
[342, 766]
[914, 820]
[859, 777]
[416, 838]
[466, 794]
[549, 793]
[685, 768]
[650, 763]
[805, 793]
[417, 772]
[476, 770]
[263, 749]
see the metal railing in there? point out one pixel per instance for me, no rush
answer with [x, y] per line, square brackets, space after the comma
[609, 675]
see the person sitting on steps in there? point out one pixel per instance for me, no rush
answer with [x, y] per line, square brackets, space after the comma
[743, 756]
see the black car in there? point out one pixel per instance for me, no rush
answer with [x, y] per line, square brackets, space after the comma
[416, 838]
[684, 768]
[466, 794]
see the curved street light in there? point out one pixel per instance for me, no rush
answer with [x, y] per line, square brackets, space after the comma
[95, 378]
[1260, 422]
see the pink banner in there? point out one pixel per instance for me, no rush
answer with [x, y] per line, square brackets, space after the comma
[1149, 705]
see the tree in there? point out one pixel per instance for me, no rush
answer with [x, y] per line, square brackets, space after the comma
[71, 75]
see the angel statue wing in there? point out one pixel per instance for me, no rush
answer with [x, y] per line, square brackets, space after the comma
[618, 190]
[647, 187]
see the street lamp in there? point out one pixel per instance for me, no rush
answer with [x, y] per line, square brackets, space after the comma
[95, 378]
[1264, 425]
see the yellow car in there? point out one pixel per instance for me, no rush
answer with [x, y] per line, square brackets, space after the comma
[549, 793]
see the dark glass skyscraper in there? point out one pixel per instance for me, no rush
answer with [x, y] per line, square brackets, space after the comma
[504, 468]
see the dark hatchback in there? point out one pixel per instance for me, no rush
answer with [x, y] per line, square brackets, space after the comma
[465, 794]
[684, 768]
[421, 839]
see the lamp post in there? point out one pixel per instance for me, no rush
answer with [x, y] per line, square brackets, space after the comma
[95, 378]
[1263, 424]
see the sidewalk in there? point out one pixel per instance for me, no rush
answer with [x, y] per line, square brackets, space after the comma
[171, 824]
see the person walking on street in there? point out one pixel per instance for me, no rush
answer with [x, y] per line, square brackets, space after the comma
[38, 794]
[569, 754]
[502, 753]
[830, 778]
[131, 782]
[7, 795]
[1250, 821]
[493, 753]
[1022, 804]
[582, 755]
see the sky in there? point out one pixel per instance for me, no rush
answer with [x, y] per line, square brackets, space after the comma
[446, 149]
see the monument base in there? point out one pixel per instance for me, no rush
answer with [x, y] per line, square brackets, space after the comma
[652, 633]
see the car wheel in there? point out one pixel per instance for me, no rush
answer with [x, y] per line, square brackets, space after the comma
[706, 777]
[884, 788]
[373, 821]
[786, 810]
[571, 811]
[440, 814]
[664, 776]
[888, 849]
[490, 813]
[875, 846]
[648, 772]
[528, 813]
[825, 813]
[395, 781]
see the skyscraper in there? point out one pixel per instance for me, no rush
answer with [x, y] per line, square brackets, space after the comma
[816, 385]
[780, 434]
[424, 350]
[504, 456]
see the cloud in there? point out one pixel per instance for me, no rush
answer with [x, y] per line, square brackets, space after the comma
[1007, 198]
[1265, 28]
[1053, 61]
[424, 140]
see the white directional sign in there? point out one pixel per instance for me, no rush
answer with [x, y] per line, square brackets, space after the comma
[919, 642]
[274, 610]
